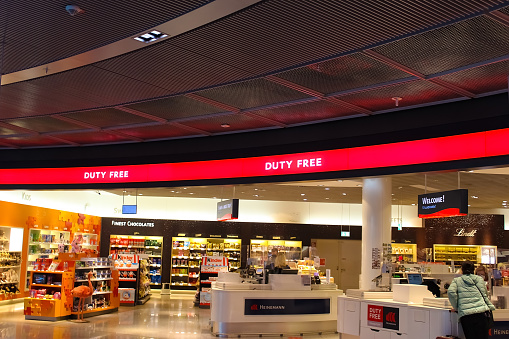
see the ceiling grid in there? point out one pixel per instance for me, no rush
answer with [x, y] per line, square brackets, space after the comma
[275, 64]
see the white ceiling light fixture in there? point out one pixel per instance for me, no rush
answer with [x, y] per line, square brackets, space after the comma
[151, 36]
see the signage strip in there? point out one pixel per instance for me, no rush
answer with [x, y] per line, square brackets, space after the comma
[450, 148]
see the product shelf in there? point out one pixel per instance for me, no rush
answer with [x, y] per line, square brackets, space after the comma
[10, 266]
[8, 283]
[46, 285]
[85, 280]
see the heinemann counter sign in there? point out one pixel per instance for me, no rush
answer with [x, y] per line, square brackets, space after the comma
[443, 204]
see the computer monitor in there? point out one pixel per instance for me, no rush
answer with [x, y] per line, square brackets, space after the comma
[414, 278]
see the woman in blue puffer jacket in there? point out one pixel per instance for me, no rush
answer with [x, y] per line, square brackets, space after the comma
[469, 297]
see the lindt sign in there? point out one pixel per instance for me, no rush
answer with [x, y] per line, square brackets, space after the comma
[461, 232]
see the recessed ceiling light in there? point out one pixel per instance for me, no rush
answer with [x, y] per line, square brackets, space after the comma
[185, 188]
[344, 193]
[504, 201]
[327, 188]
[340, 180]
[303, 194]
[304, 199]
[359, 185]
[151, 36]
[471, 171]
[474, 197]
[255, 195]
[327, 198]
[320, 185]
[140, 194]
[469, 205]
[191, 193]
[413, 204]
[225, 125]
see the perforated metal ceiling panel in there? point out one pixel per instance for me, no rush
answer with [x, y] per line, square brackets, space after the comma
[276, 34]
[307, 112]
[493, 77]
[89, 138]
[107, 118]
[34, 141]
[412, 93]
[253, 93]
[41, 31]
[176, 108]
[172, 68]
[165, 131]
[274, 64]
[344, 73]
[450, 47]
[44, 124]
[235, 122]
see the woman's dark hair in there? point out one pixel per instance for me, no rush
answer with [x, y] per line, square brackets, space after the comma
[467, 267]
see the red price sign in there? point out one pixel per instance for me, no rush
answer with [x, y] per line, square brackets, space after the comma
[375, 315]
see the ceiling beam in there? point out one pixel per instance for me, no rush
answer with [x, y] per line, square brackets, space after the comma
[76, 122]
[348, 105]
[61, 139]
[470, 66]
[452, 87]
[189, 128]
[394, 64]
[17, 128]
[415, 73]
[123, 135]
[264, 119]
[212, 102]
[294, 86]
[141, 114]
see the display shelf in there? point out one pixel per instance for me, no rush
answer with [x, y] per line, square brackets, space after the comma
[458, 253]
[49, 301]
[187, 253]
[85, 280]
[105, 284]
[150, 246]
[209, 271]
[11, 244]
[261, 250]
[404, 252]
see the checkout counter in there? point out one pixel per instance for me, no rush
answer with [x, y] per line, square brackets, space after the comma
[409, 311]
[288, 304]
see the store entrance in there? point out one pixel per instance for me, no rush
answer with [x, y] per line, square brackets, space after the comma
[343, 258]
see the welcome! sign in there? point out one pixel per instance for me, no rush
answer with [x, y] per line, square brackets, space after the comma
[443, 204]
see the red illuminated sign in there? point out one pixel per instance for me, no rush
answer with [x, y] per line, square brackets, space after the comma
[457, 147]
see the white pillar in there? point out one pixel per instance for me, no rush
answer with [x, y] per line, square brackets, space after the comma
[376, 225]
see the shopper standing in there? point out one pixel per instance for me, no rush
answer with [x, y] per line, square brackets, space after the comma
[468, 297]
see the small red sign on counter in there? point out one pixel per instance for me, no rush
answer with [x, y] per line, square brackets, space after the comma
[375, 315]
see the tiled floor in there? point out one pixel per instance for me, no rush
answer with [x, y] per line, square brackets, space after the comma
[161, 317]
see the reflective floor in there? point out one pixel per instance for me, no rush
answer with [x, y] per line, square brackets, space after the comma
[161, 317]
